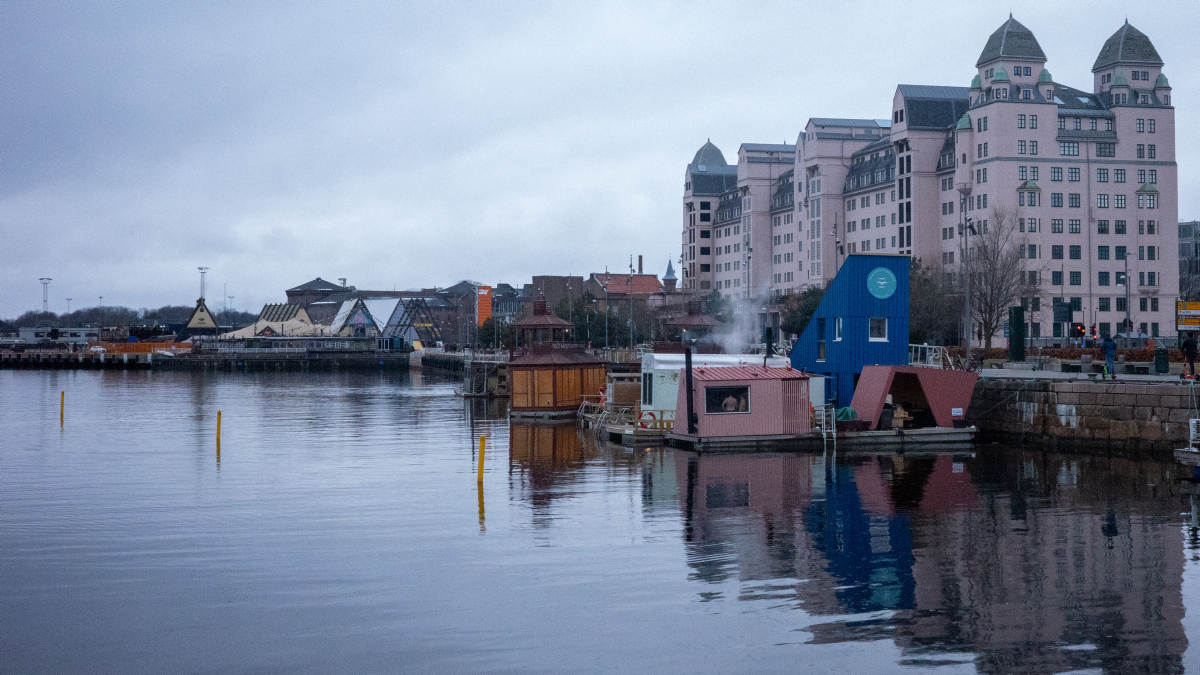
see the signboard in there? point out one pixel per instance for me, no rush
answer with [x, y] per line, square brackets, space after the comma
[483, 305]
[1187, 315]
[956, 412]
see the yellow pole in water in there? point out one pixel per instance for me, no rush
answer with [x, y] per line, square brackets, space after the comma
[218, 428]
[62, 406]
[482, 443]
[479, 483]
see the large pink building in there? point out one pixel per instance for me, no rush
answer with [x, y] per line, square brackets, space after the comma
[1085, 178]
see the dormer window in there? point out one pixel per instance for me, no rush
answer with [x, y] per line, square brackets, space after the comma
[1026, 94]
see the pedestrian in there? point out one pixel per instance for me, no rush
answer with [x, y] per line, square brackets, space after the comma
[1110, 355]
[1189, 352]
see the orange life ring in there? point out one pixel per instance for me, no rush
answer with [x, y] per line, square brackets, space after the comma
[643, 414]
[603, 397]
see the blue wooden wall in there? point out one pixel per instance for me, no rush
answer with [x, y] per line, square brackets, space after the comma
[849, 298]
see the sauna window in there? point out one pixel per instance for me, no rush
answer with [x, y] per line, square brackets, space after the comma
[726, 400]
[878, 329]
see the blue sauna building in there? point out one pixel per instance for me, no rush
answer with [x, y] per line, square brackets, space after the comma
[861, 321]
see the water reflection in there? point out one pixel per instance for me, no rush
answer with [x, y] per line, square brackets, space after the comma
[1025, 562]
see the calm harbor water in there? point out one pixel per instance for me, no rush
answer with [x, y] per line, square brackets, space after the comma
[341, 530]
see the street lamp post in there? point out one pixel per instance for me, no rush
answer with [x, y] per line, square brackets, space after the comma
[964, 189]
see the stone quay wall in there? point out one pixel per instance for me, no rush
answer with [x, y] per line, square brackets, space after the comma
[1084, 415]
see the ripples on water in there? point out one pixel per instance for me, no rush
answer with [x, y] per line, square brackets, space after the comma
[342, 530]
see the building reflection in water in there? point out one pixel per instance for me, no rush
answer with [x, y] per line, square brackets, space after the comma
[547, 462]
[1031, 562]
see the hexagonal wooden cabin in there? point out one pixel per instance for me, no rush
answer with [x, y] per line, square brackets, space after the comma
[549, 373]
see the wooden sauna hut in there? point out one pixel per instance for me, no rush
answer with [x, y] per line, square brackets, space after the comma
[549, 372]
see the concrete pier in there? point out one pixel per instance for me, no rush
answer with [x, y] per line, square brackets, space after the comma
[1146, 414]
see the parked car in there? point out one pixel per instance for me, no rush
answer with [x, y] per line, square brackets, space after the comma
[97, 349]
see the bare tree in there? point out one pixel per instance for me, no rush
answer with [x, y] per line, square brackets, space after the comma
[997, 270]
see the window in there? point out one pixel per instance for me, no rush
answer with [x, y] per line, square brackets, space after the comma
[1153, 175]
[1073, 174]
[1101, 227]
[1056, 199]
[1056, 174]
[1101, 175]
[1073, 226]
[705, 234]
[704, 206]
[1141, 123]
[1121, 302]
[1033, 147]
[1056, 225]
[1150, 152]
[1075, 251]
[1075, 123]
[1056, 252]
[1141, 151]
[726, 400]
[1119, 201]
[1073, 200]
[1105, 304]
[1153, 304]
[1106, 149]
[1020, 121]
[705, 267]
[1092, 124]
[1141, 175]
[1102, 201]
[1020, 147]
[1101, 253]
[1102, 279]
[1118, 175]
[1062, 123]
[1032, 251]
[1119, 252]
[1108, 125]
[878, 329]
[1056, 278]
[1022, 173]
[706, 217]
[1033, 172]
[1151, 123]
[1068, 148]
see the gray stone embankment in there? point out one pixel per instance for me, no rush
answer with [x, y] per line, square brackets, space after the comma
[1084, 415]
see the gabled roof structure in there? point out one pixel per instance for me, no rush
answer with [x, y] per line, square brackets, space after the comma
[318, 284]
[1127, 45]
[1011, 41]
[201, 322]
[283, 312]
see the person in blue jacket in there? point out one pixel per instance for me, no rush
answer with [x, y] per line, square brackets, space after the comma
[1110, 355]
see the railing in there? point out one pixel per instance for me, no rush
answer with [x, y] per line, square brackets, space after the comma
[261, 350]
[486, 355]
[929, 356]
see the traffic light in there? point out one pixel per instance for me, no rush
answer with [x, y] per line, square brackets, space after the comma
[1077, 330]
[1095, 334]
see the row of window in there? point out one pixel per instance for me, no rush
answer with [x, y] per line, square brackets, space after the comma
[1102, 278]
[783, 258]
[1102, 226]
[865, 223]
[1075, 252]
[865, 245]
[784, 277]
[865, 201]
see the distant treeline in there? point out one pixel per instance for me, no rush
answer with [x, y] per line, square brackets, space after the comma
[121, 316]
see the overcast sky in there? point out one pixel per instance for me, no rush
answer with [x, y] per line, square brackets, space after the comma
[403, 145]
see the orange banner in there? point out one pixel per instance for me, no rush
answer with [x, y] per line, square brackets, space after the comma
[483, 305]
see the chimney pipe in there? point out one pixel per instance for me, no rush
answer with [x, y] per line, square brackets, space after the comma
[639, 264]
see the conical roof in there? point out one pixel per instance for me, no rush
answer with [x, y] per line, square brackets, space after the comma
[709, 156]
[1011, 40]
[670, 275]
[1127, 45]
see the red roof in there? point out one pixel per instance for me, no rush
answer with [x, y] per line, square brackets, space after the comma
[714, 374]
[629, 283]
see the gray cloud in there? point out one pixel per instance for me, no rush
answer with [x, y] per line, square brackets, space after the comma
[402, 144]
